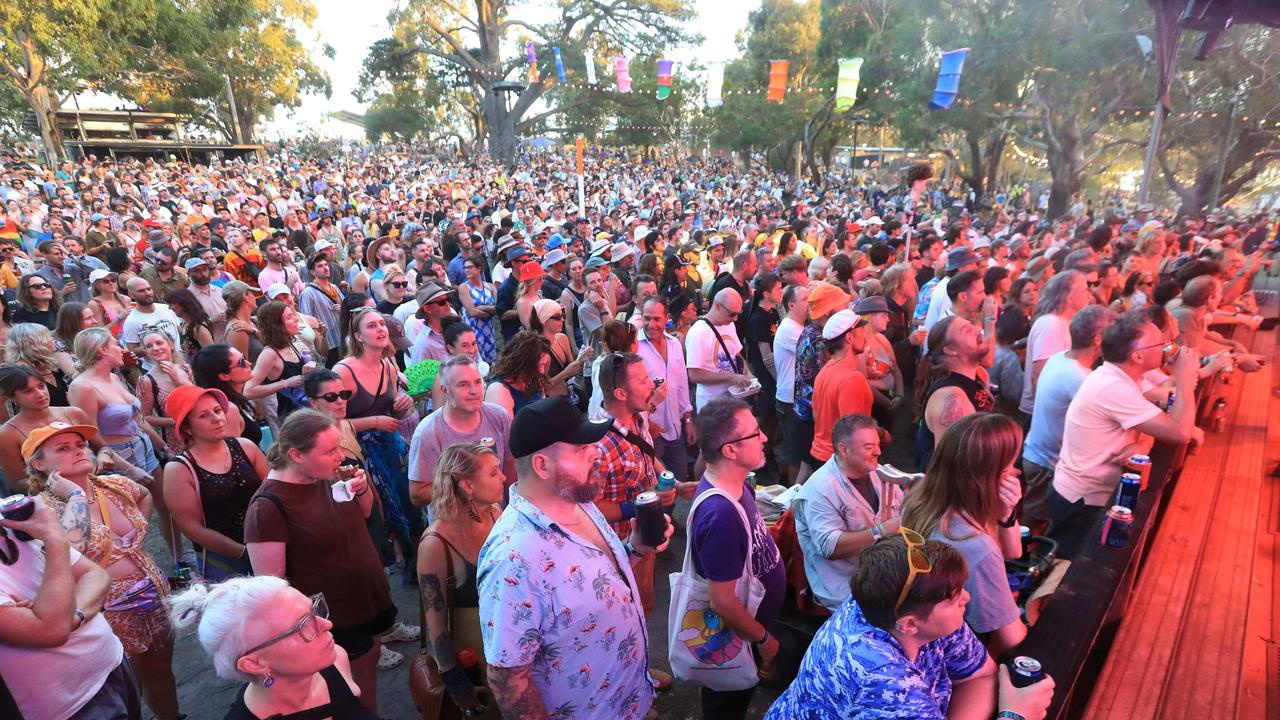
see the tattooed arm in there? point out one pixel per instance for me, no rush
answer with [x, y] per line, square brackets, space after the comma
[517, 696]
[433, 575]
[75, 517]
[945, 408]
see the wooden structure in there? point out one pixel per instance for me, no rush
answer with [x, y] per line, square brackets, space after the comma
[139, 133]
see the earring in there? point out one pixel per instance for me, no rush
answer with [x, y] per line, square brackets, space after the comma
[268, 681]
[471, 511]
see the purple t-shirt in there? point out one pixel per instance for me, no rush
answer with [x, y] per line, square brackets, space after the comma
[720, 548]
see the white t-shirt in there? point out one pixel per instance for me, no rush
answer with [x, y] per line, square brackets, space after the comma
[784, 358]
[1099, 424]
[939, 304]
[705, 353]
[160, 316]
[1050, 334]
[53, 683]
[1059, 382]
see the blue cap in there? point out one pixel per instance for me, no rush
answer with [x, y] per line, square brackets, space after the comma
[517, 252]
[555, 242]
[194, 263]
[97, 216]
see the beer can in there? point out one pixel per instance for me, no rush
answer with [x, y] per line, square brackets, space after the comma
[1024, 671]
[1117, 527]
[651, 524]
[18, 507]
[751, 480]
[1140, 464]
[1130, 486]
[666, 481]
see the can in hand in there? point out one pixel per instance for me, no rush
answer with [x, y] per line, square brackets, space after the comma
[651, 522]
[666, 480]
[18, 507]
[1118, 526]
[1024, 671]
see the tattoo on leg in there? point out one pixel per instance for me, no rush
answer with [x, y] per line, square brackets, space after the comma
[432, 592]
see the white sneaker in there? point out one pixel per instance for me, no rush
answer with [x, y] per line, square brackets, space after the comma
[389, 658]
[401, 632]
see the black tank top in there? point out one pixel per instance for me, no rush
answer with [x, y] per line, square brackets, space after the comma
[370, 404]
[342, 705]
[225, 496]
[288, 400]
[973, 388]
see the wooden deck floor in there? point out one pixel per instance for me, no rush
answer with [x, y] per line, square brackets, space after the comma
[1200, 637]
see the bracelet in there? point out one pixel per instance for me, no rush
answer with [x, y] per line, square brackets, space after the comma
[80, 617]
[763, 639]
[74, 493]
[631, 549]
[1010, 714]
[877, 531]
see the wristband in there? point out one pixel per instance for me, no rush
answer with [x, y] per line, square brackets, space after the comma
[628, 509]
[631, 549]
[1010, 714]
[1009, 521]
[764, 639]
[74, 493]
[877, 531]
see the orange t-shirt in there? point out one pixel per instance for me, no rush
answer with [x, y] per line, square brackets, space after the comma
[838, 390]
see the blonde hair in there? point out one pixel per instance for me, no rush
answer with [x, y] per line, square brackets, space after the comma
[88, 342]
[32, 345]
[457, 463]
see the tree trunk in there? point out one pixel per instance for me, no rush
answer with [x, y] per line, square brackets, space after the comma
[46, 117]
[1065, 161]
[996, 140]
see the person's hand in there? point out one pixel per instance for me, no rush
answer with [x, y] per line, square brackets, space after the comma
[1250, 363]
[1218, 362]
[667, 498]
[105, 460]
[60, 486]
[44, 524]
[585, 354]
[645, 549]
[1010, 491]
[386, 423]
[1031, 702]
[168, 368]
[475, 701]
[768, 651]
[989, 308]
[293, 382]
[358, 482]
[68, 288]
[742, 381]
[895, 402]
[403, 404]
[686, 490]
[1186, 368]
[1122, 456]
[917, 336]
[690, 431]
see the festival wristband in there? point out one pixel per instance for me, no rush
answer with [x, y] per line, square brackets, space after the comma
[628, 509]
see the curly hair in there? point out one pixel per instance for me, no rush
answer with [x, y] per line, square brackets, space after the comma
[457, 463]
[32, 345]
[519, 361]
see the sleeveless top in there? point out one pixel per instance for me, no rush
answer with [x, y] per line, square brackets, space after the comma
[342, 705]
[369, 404]
[58, 390]
[118, 418]
[973, 388]
[289, 399]
[225, 496]
[518, 398]
[252, 430]
[172, 439]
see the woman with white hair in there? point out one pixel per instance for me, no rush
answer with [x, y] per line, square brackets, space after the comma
[261, 631]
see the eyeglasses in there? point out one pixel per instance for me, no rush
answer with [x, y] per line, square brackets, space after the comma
[307, 628]
[402, 284]
[752, 436]
[917, 563]
[1093, 283]
[334, 396]
[244, 362]
[38, 286]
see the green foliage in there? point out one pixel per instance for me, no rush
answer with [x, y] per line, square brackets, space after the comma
[385, 120]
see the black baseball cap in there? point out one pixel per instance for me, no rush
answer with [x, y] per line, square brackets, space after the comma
[551, 420]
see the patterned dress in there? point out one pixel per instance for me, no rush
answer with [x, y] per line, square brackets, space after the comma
[483, 295]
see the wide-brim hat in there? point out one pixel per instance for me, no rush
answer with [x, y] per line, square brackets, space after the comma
[182, 400]
[371, 252]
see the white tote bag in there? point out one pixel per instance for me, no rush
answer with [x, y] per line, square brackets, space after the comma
[700, 647]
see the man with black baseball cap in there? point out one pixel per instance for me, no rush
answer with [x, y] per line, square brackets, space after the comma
[559, 607]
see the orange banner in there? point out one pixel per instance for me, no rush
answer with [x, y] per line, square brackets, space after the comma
[580, 144]
[777, 80]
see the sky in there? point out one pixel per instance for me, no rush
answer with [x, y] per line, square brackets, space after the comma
[351, 27]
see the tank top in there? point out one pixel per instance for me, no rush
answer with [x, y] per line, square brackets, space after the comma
[224, 497]
[289, 399]
[518, 398]
[58, 390]
[118, 418]
[973, 388]
[370, 404]
[342, 705]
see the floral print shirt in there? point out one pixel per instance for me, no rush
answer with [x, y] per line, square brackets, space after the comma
[811, 355]
[855, 670]
[552, 599]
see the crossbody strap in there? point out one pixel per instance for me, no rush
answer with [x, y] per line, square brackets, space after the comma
[688, 548]
[733, 359]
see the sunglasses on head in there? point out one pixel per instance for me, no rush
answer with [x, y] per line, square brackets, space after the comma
[334, 396]
[917, 563]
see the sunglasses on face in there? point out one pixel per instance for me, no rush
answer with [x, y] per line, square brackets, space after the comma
[38, 286]
[334, 396]
[401, 284]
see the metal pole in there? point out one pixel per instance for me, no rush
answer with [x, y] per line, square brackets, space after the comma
[1222, 155]
[1157, 125]
[235, 117]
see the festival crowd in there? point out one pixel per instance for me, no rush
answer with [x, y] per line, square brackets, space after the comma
[320, 376]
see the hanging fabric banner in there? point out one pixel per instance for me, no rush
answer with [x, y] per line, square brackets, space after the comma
[623, 72]
[591, 68]
[847, 83]
[559, 63]
[948, 79]
[664, 79]
[533, 61]
[777, 80]
[715, 83]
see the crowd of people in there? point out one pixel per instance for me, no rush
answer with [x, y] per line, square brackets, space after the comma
[484, 376]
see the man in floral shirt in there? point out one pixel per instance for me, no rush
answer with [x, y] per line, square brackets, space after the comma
[899, 648]
[825, 300]
[560, 614]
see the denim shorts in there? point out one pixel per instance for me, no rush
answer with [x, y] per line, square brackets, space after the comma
[139, 451]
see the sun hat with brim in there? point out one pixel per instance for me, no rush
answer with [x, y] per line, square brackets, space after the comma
[182, 400]
[40, 436]
[529, 271]
[622, 250]
[595, 262]
[1036, 268]
[371, 253]
[99, 274]
[825, 298]
[431, 291]
[600, 247]
[871, 304]
[959, 257]
[553, 257]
